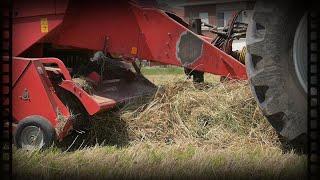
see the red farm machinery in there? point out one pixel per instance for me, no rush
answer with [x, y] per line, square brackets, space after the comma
[54, 40]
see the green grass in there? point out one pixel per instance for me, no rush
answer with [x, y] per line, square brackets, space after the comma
[147, 160]
[156, 70]
[162, 76]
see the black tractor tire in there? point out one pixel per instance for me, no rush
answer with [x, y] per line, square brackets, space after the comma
[49, 133]
[270, 68]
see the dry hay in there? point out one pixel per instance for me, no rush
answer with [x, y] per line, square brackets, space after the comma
[221, 114]
[212, 131]
[84, 84]
[62, 121]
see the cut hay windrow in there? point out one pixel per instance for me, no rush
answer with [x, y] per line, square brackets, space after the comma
[221, 114]
[183, 131]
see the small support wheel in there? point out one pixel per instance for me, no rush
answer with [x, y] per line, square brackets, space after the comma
[34, 132]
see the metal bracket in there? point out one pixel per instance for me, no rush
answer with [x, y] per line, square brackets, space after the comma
[25, 95]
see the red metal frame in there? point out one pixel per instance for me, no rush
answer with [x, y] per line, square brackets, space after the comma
[131, 32]
[62, 68]
[33, 93]
[123, 29]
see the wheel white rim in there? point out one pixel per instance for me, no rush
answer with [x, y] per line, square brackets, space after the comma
[300, 52]
[32, 138]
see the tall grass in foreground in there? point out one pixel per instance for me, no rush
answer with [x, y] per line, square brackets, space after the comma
[154, 160]
[212, 131]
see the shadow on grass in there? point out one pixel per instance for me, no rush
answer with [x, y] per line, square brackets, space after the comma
[298, 145]
[104, 129]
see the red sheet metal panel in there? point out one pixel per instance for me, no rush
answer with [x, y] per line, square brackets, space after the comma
[175, 44]
[128, 31]
[27, 31]
[89, 102]
[19, 68]
[33, 94]
[34, 20]
[23, 8]
[87, 25]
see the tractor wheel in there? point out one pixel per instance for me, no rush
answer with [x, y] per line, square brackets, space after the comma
[276, 65]
[34, 132]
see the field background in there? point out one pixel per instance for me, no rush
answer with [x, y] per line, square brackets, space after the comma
[212, 132]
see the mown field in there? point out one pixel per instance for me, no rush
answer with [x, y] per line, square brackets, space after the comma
[212, 131]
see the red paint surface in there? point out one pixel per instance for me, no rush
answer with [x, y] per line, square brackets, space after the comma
[125, 26]
[119, 25]
[42, 100]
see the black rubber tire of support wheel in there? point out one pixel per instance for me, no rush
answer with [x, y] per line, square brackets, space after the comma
[271, 72]
[49, 133]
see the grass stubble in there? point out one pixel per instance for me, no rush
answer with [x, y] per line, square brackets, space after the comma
[212, 132]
